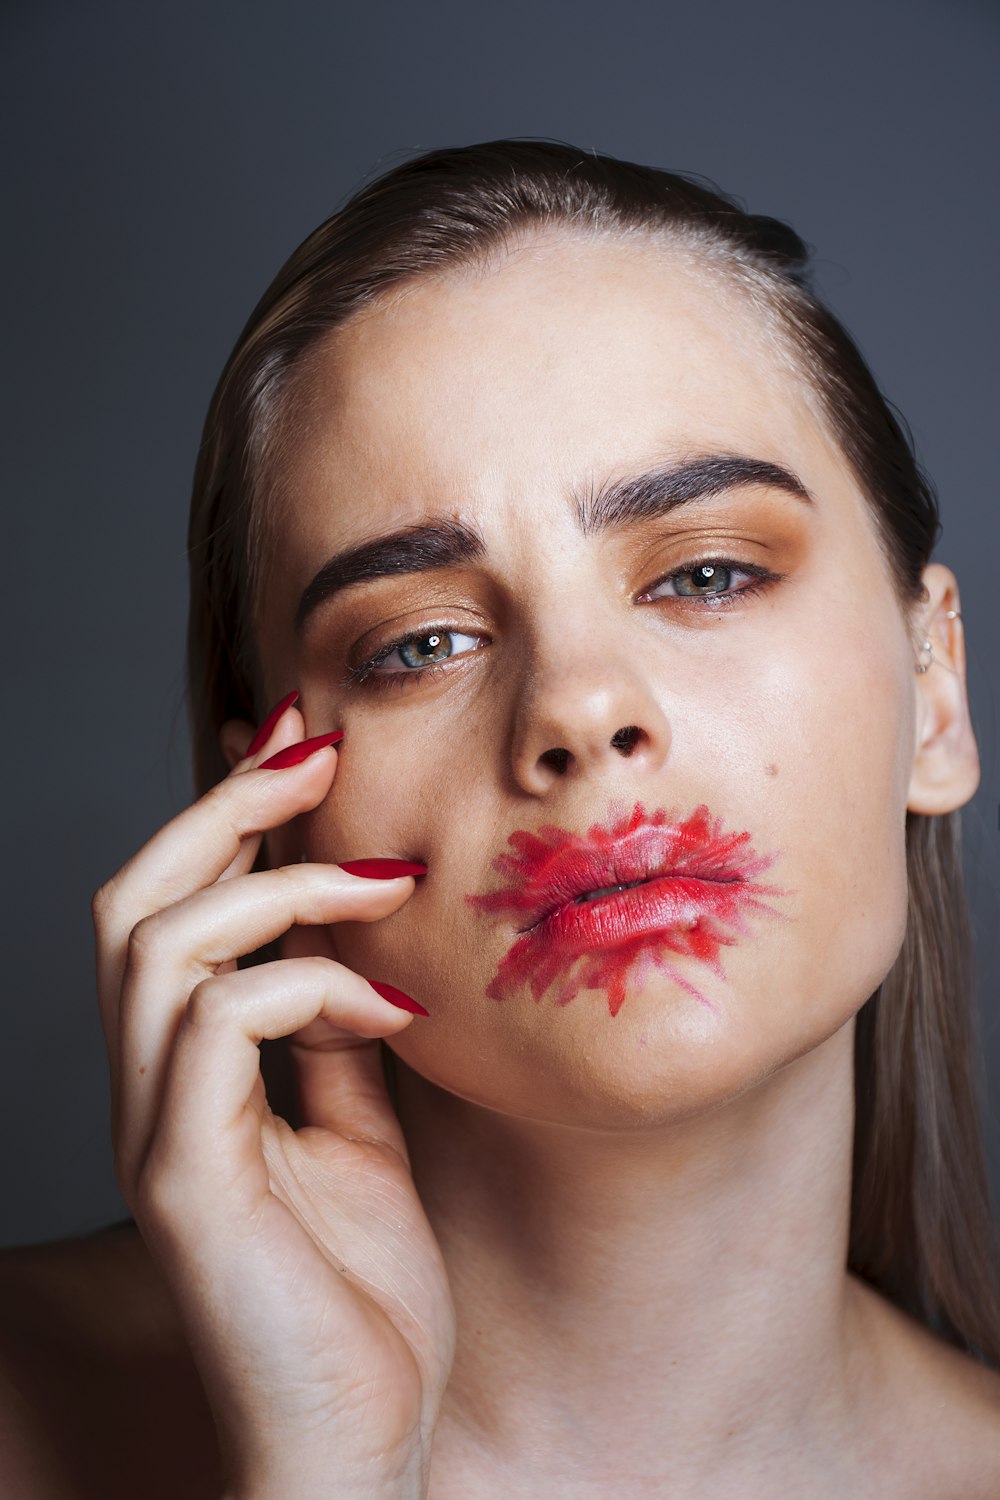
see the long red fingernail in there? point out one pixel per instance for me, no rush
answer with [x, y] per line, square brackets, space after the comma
[397, 997]
[292, 754]
[263, 734]
[382, 869]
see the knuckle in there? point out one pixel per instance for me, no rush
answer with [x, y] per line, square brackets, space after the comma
[316, 975]
[297, 887]
[103, 903]
[206, 1001]
[325, 968]
[145, 941]
[242, 804]
[220, 794]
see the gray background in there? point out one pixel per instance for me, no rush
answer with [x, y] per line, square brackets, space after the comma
[166, 159]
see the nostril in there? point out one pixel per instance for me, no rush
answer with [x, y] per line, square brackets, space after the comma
[558, 759]
[626, 739]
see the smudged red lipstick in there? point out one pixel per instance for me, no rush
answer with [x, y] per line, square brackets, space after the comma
[599, 911]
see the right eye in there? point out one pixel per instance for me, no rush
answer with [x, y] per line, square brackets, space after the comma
[427, 650]
[415, 654]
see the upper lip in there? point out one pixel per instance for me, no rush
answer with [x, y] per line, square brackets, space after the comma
[556, 867]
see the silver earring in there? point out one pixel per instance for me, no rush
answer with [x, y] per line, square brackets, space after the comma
[949, 614]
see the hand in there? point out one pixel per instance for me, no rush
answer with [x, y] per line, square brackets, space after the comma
[310, 1285]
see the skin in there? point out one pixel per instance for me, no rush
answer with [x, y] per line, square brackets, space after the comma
[677, 1176]
[594, 1254]
[796, 716]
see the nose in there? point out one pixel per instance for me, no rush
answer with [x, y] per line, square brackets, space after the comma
[583, 713]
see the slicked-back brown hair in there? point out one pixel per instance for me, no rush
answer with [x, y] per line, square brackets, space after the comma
[923, 1226]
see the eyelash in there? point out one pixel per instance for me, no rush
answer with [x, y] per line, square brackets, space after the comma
[762, 578]
[365, 674]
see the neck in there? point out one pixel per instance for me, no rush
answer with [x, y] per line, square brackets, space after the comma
[680, 1291]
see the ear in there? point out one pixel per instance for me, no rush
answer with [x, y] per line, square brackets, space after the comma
[946, 769]
[234, 738]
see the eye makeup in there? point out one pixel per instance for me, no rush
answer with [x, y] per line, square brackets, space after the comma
[432, 639]
[704, 571]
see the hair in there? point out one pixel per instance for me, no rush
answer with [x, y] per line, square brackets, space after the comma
[923, 1225]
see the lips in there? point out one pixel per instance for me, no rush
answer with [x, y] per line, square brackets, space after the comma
[608, 890]
[597, 911]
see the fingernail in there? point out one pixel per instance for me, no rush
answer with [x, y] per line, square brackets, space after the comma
[382, 869]
[396, 997]
[263, 734]
[292, 754]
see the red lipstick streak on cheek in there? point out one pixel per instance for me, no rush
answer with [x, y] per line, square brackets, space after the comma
[614, 943]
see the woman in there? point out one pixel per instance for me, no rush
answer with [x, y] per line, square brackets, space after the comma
[607, 818]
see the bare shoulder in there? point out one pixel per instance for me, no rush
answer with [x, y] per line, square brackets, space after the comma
[98, 1392]
[937, 1428]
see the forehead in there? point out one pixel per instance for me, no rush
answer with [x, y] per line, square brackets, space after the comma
[509, 385]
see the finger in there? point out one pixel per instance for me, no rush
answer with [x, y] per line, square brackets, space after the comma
[193, 850]
[333, 1096]
[245, 748]
[171, 952]
[209, 1127]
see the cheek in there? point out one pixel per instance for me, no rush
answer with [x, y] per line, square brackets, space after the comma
[384, 798]
[844, 755]
[408, 801]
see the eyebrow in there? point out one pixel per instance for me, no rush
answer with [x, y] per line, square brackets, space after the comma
[644, 497]
[436, 544]
[421, 548]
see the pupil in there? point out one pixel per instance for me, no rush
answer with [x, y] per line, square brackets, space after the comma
[708, 573]
[432, 647]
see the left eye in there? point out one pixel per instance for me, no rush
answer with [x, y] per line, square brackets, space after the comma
[416, 653]
[710, 580]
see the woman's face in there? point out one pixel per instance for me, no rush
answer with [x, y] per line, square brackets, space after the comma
[585, 703]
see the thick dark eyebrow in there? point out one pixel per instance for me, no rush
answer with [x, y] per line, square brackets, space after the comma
[448, 543]
[643, 497]
[414, 549]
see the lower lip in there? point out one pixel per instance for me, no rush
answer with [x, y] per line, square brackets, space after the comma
[670, 903]
[611, 943]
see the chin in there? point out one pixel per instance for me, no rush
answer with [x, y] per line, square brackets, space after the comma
[661, 1060]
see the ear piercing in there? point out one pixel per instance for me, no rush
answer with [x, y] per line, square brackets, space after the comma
[949, 614]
